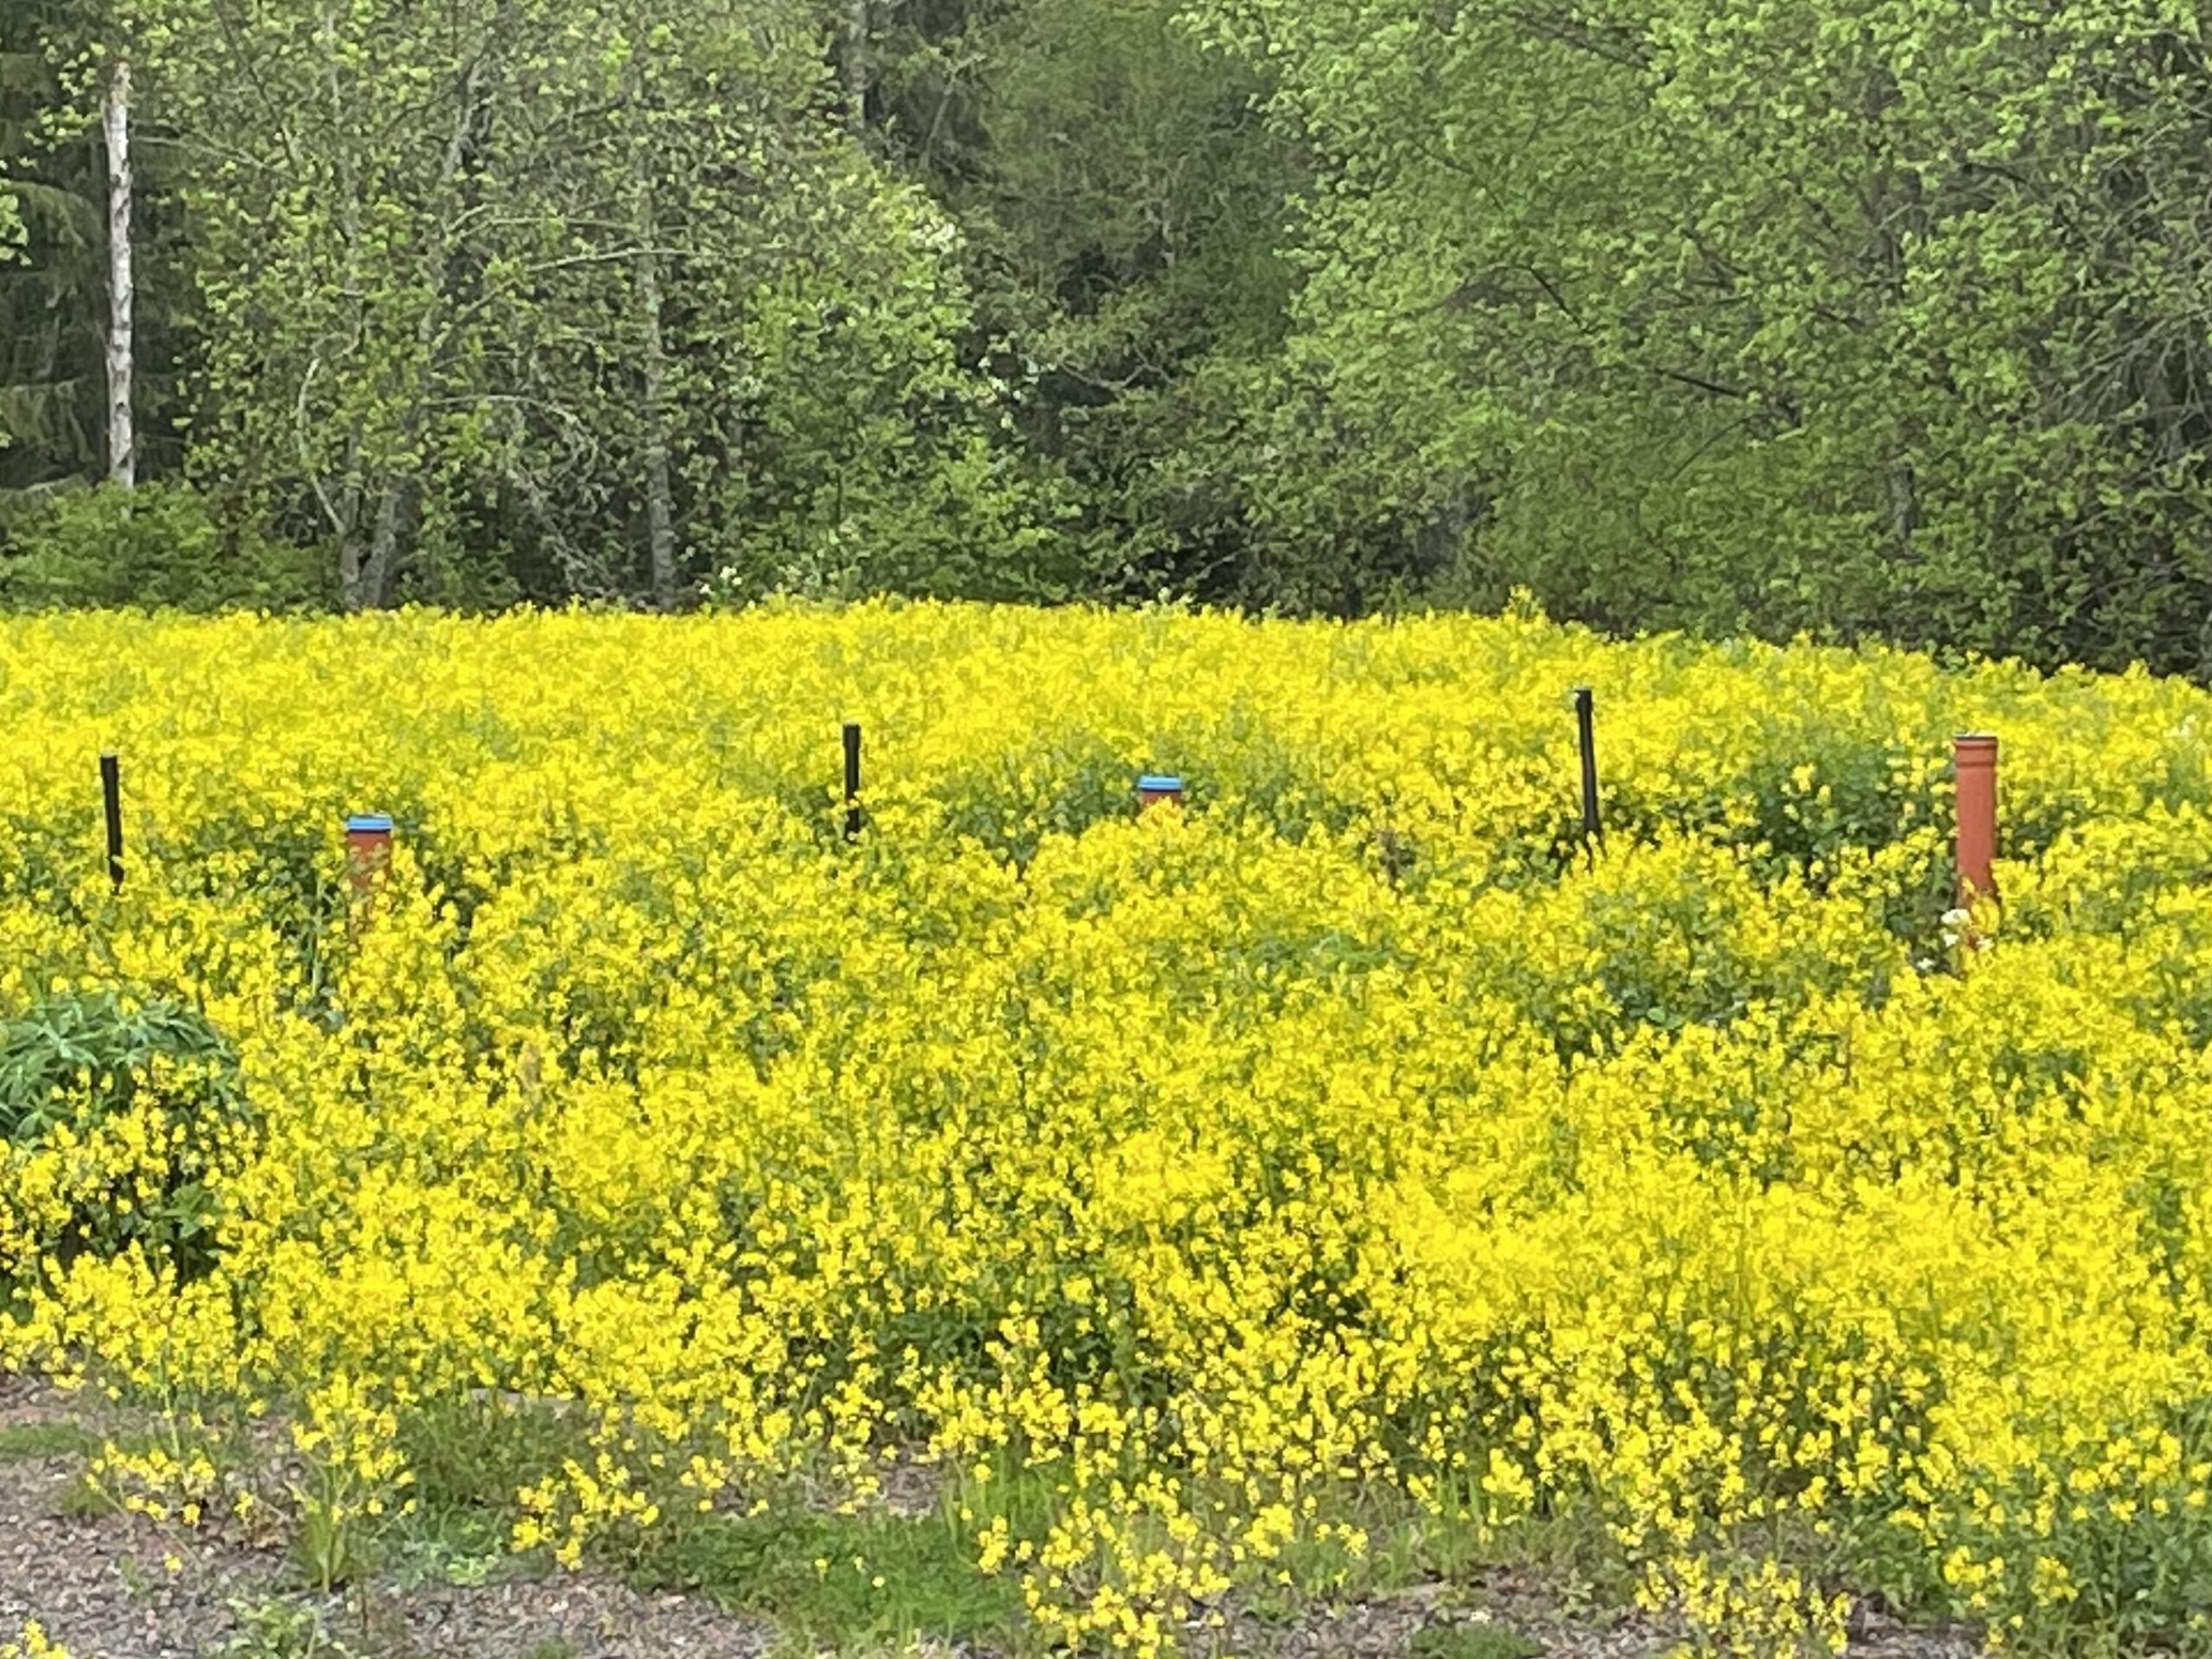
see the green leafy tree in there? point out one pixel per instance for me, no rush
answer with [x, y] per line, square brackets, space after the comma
[88, 365]
[11, 237]
[51, 293]
[617, 307]
[1122, 201]
[1845, 315]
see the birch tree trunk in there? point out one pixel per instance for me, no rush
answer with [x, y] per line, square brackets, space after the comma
[349, 567]
[380, 571]
[660, 505]
[855, 65]
[122, 295]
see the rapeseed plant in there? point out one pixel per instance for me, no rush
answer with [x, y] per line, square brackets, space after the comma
[1169, 1179]
[32, 1641]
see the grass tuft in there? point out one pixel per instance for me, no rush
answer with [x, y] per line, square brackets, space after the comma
[837, 1581]
[46, 1442]
[1473, 1641]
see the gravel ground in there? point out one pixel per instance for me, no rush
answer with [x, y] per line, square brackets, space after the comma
[113, 1587]
[1384, 1629]
[110, 1586]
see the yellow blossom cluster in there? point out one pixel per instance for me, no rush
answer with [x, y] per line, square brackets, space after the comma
[1184, 1181]
[33, 1643]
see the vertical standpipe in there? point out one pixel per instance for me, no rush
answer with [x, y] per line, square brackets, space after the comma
[1585, 720]
[852, 818]
[1974, 768]
[112, 802]
[368, 849]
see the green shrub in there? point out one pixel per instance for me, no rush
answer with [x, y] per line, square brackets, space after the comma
[74, 1066]
[159, 546]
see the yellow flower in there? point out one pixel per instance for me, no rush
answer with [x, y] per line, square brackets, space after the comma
[1180, 1184]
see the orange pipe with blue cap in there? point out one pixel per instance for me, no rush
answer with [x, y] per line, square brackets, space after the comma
[368, 849]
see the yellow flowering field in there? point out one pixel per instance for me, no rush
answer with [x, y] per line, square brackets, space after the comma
[1202, 1191]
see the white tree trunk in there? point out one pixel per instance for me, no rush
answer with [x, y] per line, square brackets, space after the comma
[122, 294]
[858, 22]
[660, 508]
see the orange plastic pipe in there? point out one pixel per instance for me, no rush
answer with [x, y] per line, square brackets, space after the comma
[1973, 758]
[368, 849]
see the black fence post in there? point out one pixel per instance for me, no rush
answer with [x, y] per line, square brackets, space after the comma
[852, 818]
[1587, 721]
[111, 798]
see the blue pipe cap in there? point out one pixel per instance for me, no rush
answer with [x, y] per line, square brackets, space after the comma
[369, 823]
[1156, 783]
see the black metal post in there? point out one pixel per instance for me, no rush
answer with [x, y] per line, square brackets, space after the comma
[852, 779]
[1586, 719]
[111, 797]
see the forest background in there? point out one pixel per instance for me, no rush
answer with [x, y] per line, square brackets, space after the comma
[1842, 317]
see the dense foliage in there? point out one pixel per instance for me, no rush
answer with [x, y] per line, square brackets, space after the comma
[1194, 1184]
[1857, 317]
[76, 1069]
